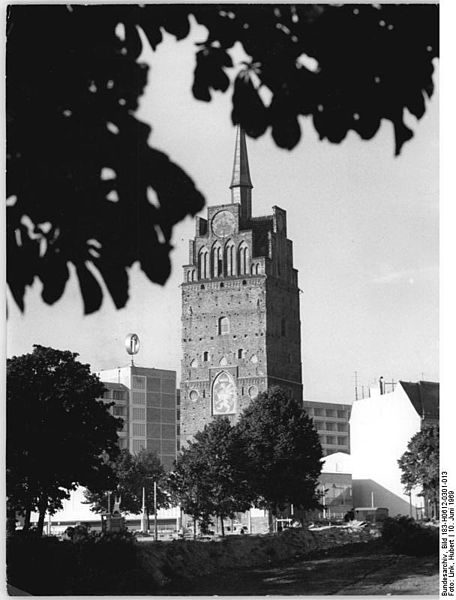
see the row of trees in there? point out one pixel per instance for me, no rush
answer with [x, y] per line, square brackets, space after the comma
[269, 458]
[61, 435]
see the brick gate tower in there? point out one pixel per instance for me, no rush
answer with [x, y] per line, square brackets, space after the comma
[240, 307]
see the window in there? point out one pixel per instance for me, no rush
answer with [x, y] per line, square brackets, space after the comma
[342, 427]
[342, 440]
[330, 439]
[243, 258]
[138, 414]
[205, 356]
[139, 429]
[341, 414]
[230, 265]
[223, 326]
[153, 384]
[319, 424]
[253, 391]
[168, 386]
[123, 443]
[118, 411]
[330, 426]
[118, 395]
[139, 398]
[153, 399]
[138, 445]
[138, 383]
[203, 264]
[217, 263]
[318, 412]
[330, 412]
[168, 416]
[168, 401]
[240, 353]
[168, 432]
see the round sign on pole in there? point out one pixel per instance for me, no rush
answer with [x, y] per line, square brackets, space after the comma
[132, 343]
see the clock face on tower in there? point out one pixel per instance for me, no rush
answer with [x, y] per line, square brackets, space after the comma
[223, 223]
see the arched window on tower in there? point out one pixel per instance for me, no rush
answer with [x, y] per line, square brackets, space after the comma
[244, 258]
[223, 326]
[230, 259]
[217, 262]
[203, 263]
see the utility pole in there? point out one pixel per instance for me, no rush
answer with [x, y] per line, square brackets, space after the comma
[155, 512]
[356, 385]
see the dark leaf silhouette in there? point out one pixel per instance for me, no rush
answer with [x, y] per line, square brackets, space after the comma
[79, 164]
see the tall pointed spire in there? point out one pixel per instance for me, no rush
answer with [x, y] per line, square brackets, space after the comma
[241, 184]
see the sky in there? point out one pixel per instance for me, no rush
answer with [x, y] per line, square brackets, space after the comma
[364, 226]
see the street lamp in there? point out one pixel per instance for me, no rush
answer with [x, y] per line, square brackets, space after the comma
[144, 510]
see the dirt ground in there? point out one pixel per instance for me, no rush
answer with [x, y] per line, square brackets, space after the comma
[366, 569]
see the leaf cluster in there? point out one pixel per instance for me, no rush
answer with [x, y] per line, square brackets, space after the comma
[84, 186]
[132, 474]
[420, 463]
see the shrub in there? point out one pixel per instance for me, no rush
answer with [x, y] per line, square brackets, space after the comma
[405, 536]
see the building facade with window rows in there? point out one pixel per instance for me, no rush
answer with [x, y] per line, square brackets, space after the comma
[331, 420]
[146, 399]
[240, 308]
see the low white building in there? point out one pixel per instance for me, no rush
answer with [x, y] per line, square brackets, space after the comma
[381, 427]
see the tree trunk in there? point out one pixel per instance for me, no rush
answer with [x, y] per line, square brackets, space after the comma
[270, 523]
[223, 527]
[10, 521]
[194, 529]
[42, 507]
[27, 516]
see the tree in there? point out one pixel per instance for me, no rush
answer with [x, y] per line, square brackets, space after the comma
[133, 473]
[210, 478]
[420, 465]
[81, 175]
[282, 451]
[59, 435]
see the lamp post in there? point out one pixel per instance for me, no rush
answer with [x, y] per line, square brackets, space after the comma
[155, 511]
[143, 509]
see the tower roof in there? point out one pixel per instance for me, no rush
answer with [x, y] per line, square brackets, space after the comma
[241, 173]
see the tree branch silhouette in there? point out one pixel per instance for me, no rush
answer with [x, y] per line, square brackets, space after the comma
[80, 170]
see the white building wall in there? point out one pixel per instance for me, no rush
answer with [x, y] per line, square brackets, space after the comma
[381, 427]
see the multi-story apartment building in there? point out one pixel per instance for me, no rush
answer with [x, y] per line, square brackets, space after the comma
[332, 423]
[146, 399]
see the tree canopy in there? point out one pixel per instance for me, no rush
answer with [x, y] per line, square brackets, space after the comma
[420, 464]
[210, 477]
[133, 472]
[282, 451]
[84, 186]
[59, 434]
